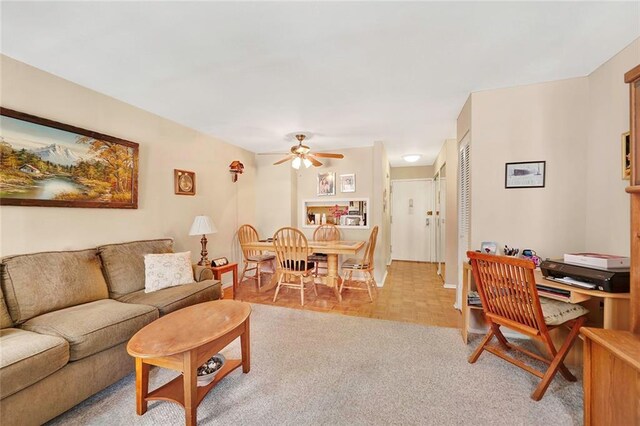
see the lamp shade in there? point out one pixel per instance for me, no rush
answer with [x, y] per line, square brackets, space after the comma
[202, 225]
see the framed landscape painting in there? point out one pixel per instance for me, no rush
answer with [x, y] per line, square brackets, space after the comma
[50, 164]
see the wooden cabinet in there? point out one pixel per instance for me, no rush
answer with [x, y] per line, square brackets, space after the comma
[611, 377]
[612, 357]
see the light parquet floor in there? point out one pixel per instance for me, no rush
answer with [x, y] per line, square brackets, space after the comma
[413, 292]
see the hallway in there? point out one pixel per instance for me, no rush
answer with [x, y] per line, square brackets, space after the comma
[413, 293]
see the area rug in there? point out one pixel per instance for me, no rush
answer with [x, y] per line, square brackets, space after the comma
[310, 368]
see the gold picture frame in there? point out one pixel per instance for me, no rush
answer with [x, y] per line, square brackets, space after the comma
[626, 156]
[184, 182]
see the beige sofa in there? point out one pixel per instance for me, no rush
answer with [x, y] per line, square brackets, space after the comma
[65, 319]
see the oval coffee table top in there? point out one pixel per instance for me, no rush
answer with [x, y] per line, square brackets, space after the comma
[188, 328]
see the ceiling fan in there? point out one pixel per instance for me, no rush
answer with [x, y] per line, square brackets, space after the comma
[301, 154]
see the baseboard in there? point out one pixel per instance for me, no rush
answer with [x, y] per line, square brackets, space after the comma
[447, 285]
[384, 278]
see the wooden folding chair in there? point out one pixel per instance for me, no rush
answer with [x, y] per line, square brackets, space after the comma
[509, 296]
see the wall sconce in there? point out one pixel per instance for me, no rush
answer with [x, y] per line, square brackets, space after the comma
[235, 168]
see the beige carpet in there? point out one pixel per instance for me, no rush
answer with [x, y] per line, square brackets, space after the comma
[313, 368]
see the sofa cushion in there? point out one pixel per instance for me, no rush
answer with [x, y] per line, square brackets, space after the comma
[34, 284]
[95, 326]
[5, 318]
[123, 264]
[556, 312]
[28, 358]
[167, 270]
[174, 298]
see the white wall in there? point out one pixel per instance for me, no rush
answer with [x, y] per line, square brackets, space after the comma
[356, 160]
[275, 195]
[544, 121]
[607, 205]
[576, 126]
[164, 146]
[382, 208]
[284, 200]
[448, 158]
[412, 172]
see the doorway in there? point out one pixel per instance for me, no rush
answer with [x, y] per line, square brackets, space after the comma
[412, 220]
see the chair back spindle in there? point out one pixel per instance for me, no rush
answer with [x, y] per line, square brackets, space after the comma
[328, 232]
[369, 251]
[507, 289]
[292, 249]
[248, 234]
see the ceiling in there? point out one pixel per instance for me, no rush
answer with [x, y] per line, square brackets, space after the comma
[350, 73]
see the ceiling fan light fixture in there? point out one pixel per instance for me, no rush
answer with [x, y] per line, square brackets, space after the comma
[296, 163]
[411, 158]
[307, 163]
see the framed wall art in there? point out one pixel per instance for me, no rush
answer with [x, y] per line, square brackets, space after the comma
[626, 156]
[327, 183]
[50, 164]
[184, 182]
[348, 183]
[526, 174]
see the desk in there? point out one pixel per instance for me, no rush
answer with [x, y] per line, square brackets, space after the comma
[615, 313]
[331, 248]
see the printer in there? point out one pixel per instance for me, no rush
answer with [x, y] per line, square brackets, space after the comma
[609, 280]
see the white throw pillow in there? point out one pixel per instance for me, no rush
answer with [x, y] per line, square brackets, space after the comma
[167, 270]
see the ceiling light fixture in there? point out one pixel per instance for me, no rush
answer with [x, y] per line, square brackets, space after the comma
[296, 163]
[300, 154]
[411, 158]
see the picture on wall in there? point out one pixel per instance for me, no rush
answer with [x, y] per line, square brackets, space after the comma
[327, 183]
[50, 164]
[348, 183]
[626, 156]
[184, 182]
[527, 174]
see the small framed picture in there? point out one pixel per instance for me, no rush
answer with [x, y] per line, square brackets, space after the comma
[348, 183]
[526, 174]
[327, 183]
[184, 182]
[626, 156]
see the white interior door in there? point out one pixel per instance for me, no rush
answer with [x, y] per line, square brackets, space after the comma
[412, 227]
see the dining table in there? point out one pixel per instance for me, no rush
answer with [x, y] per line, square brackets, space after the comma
[332, 249]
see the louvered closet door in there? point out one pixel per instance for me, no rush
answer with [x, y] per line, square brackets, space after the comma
[464, 209]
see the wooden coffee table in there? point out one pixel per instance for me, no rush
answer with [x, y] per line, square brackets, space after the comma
[184, 340]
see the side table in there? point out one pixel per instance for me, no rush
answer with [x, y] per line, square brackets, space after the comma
[230, 267]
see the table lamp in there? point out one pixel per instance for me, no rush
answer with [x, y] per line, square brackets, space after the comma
[203, 225]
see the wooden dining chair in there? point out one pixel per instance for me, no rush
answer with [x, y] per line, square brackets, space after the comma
[292, 254]
[364, 265]
[249, 234]
[509, 297]
[327, 232]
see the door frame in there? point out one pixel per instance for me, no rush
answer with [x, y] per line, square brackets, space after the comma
[432, 242]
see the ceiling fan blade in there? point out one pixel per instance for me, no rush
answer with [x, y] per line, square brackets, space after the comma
[287, 158]
[327, 155]
[313, 160]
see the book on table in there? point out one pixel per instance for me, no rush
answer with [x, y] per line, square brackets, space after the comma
[598, 260]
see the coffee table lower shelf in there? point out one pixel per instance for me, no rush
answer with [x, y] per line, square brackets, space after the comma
[174, 390]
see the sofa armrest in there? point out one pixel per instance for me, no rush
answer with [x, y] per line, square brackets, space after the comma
[202, 273]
